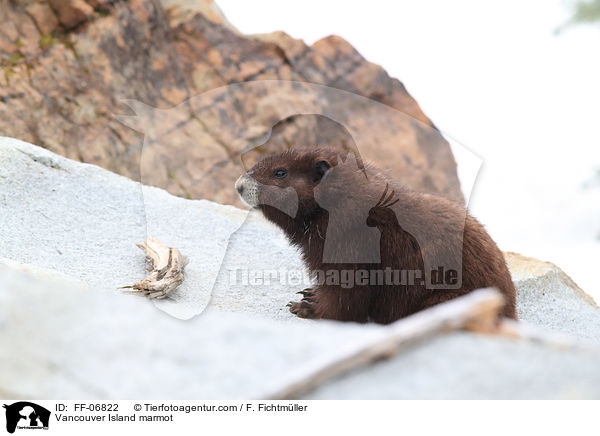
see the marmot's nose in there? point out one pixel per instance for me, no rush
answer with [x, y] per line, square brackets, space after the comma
[239, 185]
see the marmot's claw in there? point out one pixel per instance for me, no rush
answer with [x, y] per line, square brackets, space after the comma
[306, 292]
[304, 308]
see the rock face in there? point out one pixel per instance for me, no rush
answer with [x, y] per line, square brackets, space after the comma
[68, 242]
[74, 64]
[543, 289]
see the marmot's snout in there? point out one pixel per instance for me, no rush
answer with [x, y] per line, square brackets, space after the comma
[247, 187]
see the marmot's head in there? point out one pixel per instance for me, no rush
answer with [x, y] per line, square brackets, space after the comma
[286, 182]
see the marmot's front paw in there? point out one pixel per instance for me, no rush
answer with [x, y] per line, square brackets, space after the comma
[306, 307]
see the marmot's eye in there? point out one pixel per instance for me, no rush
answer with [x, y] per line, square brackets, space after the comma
[280, 173]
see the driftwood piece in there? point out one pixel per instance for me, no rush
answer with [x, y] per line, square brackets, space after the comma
[476, 311]
[166, 266]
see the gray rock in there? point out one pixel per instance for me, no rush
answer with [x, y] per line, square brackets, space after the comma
[84, 221]
[461, 365]
[547, 297]
[63, 340]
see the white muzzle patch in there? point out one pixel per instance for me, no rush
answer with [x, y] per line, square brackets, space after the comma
[247, 188]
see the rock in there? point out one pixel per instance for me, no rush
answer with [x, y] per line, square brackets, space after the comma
[44, 17]
[102, 5]
[73, 342]
[186, 56]
[466, 366]
[68, 238]
[548, 297]
[72, 12]
[19, 38]
[180, 11]
[60, 222]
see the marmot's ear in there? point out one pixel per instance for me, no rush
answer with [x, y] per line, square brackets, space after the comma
[321, 168]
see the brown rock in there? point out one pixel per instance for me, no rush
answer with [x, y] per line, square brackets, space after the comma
[72, 12]
[176, 59]
[180, 11]
[44, 17]
[18, 35]
[99, 4]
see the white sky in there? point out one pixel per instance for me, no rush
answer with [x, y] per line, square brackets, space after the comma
[494, 78]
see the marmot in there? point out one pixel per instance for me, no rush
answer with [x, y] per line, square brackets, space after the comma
[379, 251]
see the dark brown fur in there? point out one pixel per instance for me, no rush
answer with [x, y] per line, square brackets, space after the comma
[483, 264]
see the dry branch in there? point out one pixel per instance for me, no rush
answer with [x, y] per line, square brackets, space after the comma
[166, 269]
